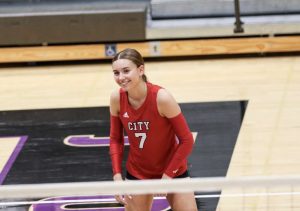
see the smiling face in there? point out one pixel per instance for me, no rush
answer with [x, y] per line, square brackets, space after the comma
[126, 74]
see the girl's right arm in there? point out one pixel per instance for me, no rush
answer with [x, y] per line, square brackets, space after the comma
[116, 146]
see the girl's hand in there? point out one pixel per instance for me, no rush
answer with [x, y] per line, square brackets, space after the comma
[120, 198]
[164, 176]
[118, 177]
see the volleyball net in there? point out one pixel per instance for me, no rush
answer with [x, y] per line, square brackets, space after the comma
[216, 193]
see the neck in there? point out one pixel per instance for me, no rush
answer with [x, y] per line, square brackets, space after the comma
[139, 92]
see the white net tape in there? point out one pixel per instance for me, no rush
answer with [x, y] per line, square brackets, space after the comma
[145, 186]
[238, 189]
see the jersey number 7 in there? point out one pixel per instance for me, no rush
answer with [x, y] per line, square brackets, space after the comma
[142, 137]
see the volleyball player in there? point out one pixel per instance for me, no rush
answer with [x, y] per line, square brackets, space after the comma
[160, 139]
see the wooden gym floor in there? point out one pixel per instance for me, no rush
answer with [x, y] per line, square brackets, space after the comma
[268, 142]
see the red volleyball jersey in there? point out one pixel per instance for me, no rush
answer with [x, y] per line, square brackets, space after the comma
[152, 138]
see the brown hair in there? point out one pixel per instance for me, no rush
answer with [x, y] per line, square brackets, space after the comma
[132, 55]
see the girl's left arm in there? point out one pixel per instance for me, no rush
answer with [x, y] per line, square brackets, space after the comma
[169, 108]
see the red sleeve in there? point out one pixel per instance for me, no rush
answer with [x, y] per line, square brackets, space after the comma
[116, 146]
[186, 142]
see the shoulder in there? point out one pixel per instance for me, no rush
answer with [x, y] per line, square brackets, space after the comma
[164, 96]
[166, 104]
[115, 102]
[115, 96]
